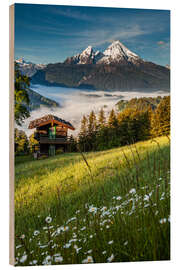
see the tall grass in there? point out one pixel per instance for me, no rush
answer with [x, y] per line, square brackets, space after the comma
[108, 206]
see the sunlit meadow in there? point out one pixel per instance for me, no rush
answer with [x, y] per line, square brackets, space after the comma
[108, 206]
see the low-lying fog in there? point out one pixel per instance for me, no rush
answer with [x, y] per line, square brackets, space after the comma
[75, 103]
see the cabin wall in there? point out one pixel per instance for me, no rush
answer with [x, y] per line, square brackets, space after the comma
[44, 148]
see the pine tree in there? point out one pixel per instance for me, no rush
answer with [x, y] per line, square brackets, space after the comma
[161, 118]
[92, 124]
[82, 137]
[101, 118]
[73, 144]
[112, 120]
[84, 126]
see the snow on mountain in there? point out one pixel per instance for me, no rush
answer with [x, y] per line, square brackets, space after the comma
[115, 53]
[87, 56]
[28, 68]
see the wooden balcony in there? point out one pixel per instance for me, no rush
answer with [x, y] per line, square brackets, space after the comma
[57, 140]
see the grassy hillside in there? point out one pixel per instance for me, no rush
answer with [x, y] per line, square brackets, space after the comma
[100, 207]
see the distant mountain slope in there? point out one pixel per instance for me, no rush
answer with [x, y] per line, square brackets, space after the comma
[117, 68]
[139, 103]
[28, 68]
[37, 100]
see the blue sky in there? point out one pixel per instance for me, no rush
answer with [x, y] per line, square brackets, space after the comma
[51, 33]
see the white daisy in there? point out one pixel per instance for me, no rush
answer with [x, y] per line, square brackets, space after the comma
[36, 233]
[48, 219]
[132, 191]
[23, 258]
[89, 259]
[111, 258]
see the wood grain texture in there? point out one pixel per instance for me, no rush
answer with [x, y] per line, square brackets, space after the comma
[11, 134]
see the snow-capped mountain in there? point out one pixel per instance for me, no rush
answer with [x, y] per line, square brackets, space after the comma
[115, 53]
[117, 68]
[28, 68]
[88, 56]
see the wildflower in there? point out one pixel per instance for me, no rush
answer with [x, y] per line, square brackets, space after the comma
[58, 258]
[107, 226]
[36, 233]
[18, 246]
[104, 208]
[106, 213]
[71, 219]
[111, 242]
[22, 236]
[104, 252]
[48, 219]
[89, 251]
[43, 246]
[65, 228]
[91, 236]
[163, 220]
[34, 261]
[89, 259]
[125, 243]
[23, 258]
[93, 209]
[82, 229]
[118, 198]
[146, 197]
[47, 260]
[132, 191]
[72, 240]
[77, 249]
[67, 245]
[111, 258]
[78, 211]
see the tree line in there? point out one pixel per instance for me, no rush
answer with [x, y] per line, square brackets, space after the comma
[120, 128]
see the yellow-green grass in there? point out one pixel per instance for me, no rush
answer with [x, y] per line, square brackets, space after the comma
[61, 185]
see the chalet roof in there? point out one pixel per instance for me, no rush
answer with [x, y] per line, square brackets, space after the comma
[49, 119]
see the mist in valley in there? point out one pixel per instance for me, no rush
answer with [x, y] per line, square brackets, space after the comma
[75, 103]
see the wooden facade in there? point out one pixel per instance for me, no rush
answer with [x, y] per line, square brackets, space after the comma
[51, 133]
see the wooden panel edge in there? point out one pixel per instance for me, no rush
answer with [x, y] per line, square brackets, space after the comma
[11, 135]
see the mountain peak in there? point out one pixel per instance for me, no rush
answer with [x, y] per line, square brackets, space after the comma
[117, 52]
[20, 60]
[88, 50]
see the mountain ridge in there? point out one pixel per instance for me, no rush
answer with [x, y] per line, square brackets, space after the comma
[117, 68]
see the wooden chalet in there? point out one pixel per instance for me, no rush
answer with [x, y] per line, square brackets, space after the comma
[51, 133]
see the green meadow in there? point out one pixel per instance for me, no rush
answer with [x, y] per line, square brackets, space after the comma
[106, 206]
